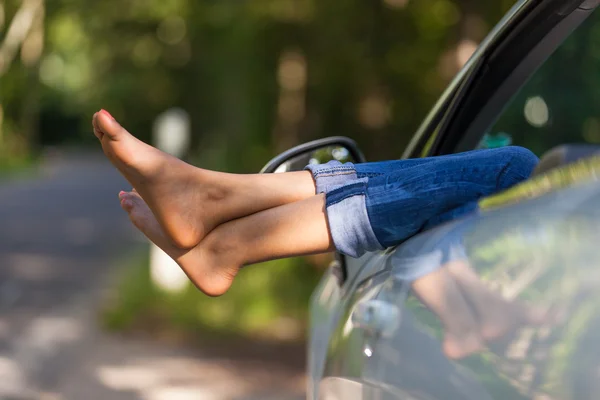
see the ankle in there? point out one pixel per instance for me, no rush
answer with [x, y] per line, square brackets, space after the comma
[223, 250]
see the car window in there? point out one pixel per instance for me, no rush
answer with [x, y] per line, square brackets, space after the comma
[561, 102]
[523, 275]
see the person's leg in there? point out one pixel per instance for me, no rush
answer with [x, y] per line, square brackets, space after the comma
[440, 293]
[451, 215]
[298, 228]
[188, 201]
[403, 203]
[496, 315]
[470, 311]
[393, 200]
[522, 159]
[350, 170]
[334, 173]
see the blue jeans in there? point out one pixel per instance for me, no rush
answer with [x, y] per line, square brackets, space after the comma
[377, 205]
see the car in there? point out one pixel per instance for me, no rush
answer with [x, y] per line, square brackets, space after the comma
[517, 316]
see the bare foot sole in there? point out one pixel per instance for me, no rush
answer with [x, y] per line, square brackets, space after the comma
[505, 317]
[495, 315]
[183, 200]
[189, 202]
[207, 268]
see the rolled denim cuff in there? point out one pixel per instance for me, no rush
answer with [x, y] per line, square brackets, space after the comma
[349, 222]
[331, 175]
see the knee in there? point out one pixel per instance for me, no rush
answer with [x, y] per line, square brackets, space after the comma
[523, 159]
[519, 166]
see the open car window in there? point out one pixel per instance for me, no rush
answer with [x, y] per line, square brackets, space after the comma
[561, 101]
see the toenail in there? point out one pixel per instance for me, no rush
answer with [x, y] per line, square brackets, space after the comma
[107, 113]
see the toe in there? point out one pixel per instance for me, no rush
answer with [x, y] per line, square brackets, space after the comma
[95, 128]
[143, 219]
[129, 201]
[105, 124]
[127, 204]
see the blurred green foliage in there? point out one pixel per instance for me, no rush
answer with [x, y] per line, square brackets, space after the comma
[256, 77]
[268, 302]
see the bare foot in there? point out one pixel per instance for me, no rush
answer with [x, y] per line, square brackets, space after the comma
[440, 293]
[170, 187]
[189, 202]
[211, 270]
[462, 344]
[496, 315]
[503, 316]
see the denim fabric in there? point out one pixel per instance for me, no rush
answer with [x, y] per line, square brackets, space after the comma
[386, 167]
[403, 202]
[330, 175]
[349, 221]
[404, 197]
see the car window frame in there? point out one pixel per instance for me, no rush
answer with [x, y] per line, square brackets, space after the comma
[515, 49]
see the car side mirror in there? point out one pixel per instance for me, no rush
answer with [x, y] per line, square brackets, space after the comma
[319, 151]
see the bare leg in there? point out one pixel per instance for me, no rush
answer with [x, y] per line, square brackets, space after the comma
[189, 202]
[496, 315]
[298, 228]
[440, 293]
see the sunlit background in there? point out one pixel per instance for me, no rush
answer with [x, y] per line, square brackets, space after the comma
[85, 306]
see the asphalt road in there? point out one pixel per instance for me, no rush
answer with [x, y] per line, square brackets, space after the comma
[60, 231]
[61, 234]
